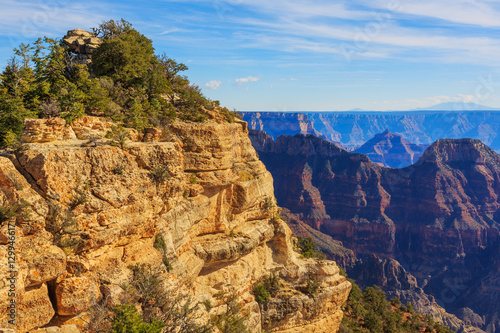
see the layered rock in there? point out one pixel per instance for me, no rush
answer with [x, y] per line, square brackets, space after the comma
[93, 211]
[440, 216]
[279, 123]
[353, 129]
[391, 150]
[82, 44]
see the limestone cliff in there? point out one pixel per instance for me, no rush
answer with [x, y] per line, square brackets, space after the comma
[439, 218]
[200, 185]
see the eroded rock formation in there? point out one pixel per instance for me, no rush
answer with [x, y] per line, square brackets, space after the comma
[112, 203]
[439, 217]
[391, 150]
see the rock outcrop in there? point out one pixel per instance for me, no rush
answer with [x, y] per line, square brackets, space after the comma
[439, 216]
[82, 44]
[92, 211]
[391, 150]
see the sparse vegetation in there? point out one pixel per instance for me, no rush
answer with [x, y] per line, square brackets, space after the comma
[12, 210]
[308, 248]
[127, 319]
[267, 288]
[233, 320]
[312, 286]
[369, 311]
[78, 199]
[193, 179]
[159, 174]
[118, 136]
[268, 203]
[129, 84]
[161, 246]
[118, 170]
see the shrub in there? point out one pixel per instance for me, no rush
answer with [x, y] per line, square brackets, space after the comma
[261, 293]
[118, 136]
[127, 320]
[268, 287]
[312, 286]
[233, 320]
[159, 174]
[13, 142]
[193, 179]
[160, 245]
[118, 170]
[308, 248]
[12, 210]
[79, 199]
[268, 203]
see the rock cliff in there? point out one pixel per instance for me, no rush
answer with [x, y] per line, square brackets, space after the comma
[353, 129]
[439, 217]
[391, 150]
[91, 210]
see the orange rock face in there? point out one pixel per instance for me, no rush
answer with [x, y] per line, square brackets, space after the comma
[94, 212]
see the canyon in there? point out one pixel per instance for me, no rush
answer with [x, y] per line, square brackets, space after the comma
[353, 129]
[428, 233]
[90, 209]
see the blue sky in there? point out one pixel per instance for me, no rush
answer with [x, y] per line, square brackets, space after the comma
[277, 55]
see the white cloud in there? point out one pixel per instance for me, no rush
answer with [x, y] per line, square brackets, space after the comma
[213, 85]
[247, 79]
[471, 12]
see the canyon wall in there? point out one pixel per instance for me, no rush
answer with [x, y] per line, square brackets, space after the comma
[439, 217]
[353, 129]
[89, 211]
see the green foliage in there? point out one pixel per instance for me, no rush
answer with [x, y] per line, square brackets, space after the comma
[312, 286]
[233, 320]
[268, 203]
[118, 170]
[193, 179]
[129, 83]
[261, 293]
[160, 245]
[118, 136]
[230, 116]
[127, 320]
[369, 311]
[267, 288]
[175, 311]
[308, 248]
[12, 210]
[159, 174]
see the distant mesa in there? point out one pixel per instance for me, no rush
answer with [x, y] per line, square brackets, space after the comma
[391, 150]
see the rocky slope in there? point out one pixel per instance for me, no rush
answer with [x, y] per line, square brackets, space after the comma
[355, 128]
[391, 150]
[93, 210]
[439, 217]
